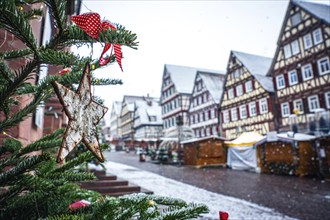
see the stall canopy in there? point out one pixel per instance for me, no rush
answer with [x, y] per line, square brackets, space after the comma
[242, 155]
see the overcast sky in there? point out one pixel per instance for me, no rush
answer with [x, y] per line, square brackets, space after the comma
[188, 33]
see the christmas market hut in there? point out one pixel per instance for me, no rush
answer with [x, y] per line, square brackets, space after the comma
[322, 144]
[288, 153]
[204, 151]
[241, 152]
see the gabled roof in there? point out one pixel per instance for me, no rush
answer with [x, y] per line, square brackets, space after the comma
[214, 83]
[116, 107]
[148, 107]
[321, 11]
[183, 77]
[258, 67]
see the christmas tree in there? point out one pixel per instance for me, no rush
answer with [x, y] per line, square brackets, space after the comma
[32, 184]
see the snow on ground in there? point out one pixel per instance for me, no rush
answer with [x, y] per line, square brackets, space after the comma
[237, 208]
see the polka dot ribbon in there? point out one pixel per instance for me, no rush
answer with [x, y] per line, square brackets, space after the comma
[91, 24]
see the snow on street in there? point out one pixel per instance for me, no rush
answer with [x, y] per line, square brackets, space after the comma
[237, 208]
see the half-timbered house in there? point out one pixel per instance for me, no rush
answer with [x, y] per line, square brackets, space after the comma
[248, 95]
[204, 103]
[148, 124]
[301, 67]
[115, 133]
[127, 118]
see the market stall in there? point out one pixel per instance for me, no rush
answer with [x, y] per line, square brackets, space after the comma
[241, 152]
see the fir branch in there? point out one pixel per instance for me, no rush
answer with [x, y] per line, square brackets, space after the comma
[57, 11]
[103, 82]
[15, 54]
[40, 145]
[72, 176]
[32, 14]
[10, 145]
[23, 166]
[54, 57]
[191, 211]
[5, 72]
[18, 116]
[85, 156]
[21, 76]
[15, 23]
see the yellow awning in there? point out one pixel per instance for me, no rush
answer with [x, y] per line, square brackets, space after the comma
[245, 139]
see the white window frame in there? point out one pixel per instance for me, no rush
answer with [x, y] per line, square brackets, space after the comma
[233, 114]
[287, 51]
[298, 104]
[327, 99]
[239, 90]
[313, 100]
[252, 106]
[317, 36]
[242, 112]
[231, 93]
[263, 103]
[280, 82]
[290, 74]
[226, 118]
[326, 65]
[285, 109]
[303, 72]
[295, 47]
[248, 86]
[308, 43]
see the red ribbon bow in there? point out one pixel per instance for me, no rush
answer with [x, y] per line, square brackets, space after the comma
[91, 24]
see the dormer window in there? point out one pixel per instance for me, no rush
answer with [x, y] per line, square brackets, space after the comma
[295, 19]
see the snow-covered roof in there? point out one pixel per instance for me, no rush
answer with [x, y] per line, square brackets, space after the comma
[183, 77]
[116, 106]
[258, 67]
[321, 11]
[214, 83]
[146, 108]
[296, 137]
[288, 137]
[202, 139]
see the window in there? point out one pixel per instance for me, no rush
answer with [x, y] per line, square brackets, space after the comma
[307, 72]
[295, 47]
[252, 108]
[287, 51]
[213, 113]
[242, 111]
[225, 116]
[295, 19]
[313, 103]
[285, 109]
[280, 81]
[323, 65]
[308, 41]
[298, 104]
[293, 78]
[327, 99]
[233, 113]
[317, 36]
[248, 86]
[263, 106]
[230, 93]
[237, 73]
[239, 90]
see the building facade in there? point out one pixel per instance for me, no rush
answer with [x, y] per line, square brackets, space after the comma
[301, 67]
[204, 103]
[148, 124]
[115, 132]
[248, 96]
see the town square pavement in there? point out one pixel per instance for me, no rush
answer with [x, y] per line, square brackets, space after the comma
[298, 197]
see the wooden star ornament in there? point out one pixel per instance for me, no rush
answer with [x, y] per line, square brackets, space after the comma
[83, 113]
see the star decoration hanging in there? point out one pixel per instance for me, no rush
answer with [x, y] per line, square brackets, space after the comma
[83, 113]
